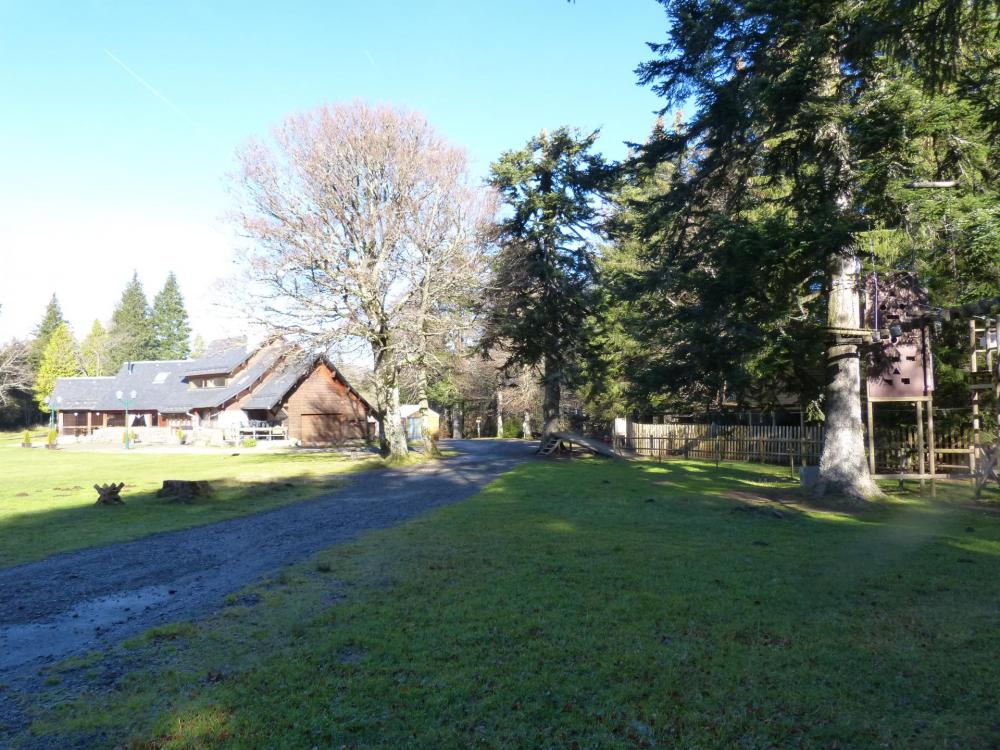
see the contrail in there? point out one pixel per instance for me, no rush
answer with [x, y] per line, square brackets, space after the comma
[149, 87]
[370, 59]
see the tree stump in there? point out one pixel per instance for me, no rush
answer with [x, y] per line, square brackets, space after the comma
[184, 491]
[109, 494]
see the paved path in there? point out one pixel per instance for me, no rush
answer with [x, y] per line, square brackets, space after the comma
[83, 600]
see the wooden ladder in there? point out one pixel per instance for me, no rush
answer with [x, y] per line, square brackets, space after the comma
[550, 444]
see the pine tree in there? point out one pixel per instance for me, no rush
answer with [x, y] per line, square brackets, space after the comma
[544, 276]
[171, 331]
[131, 329]
[94, 351]
[60, 359]
[198, 347]
[52, 319]
[801, 143]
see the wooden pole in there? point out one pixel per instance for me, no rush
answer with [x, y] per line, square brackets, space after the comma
[931, 442]
[871, 436]
[920, 443]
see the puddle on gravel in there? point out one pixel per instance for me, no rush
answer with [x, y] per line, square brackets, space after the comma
[75, 628]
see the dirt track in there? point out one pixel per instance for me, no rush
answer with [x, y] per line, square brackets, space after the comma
[93, 598]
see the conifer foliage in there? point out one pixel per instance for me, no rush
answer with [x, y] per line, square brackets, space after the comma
[544, 276]
[131, 327]
[60, 359]
[95, 351]
[171, 331]
[52, 319]
[810, 119]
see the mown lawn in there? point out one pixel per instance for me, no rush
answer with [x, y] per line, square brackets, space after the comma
[586, 605]
[47, 497]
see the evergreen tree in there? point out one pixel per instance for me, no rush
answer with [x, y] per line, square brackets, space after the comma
[52, 319]
[198, 347]
[799, 144]
[544, 277]
[95, 351]
[60, 359]
[131, 331]
[171, 331]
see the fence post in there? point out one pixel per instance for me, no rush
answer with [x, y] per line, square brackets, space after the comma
[718, 451]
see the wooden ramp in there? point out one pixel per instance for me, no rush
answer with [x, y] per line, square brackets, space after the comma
[551, 443]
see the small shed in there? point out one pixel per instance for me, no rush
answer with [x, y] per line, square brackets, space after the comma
[410, 415]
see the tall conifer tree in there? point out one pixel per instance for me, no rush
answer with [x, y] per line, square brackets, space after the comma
[544, 278]
[171, 331]
[798, 138]
[60, 359]
[131, 327]
[95, 351]
[52, 319]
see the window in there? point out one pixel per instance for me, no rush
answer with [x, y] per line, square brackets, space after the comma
[161, 377]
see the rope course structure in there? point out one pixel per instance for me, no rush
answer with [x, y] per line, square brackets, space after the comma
[904, 336]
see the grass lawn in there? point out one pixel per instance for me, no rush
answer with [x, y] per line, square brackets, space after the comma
[586, 605]
[47, 497]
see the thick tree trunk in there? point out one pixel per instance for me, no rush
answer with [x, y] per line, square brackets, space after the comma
[499, 413]
[429, 440]
[843, 468]
[392, 438]
[551, 396]
[457, 422]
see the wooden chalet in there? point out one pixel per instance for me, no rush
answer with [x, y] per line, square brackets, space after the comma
[274, 390]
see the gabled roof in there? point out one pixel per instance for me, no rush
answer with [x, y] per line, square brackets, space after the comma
[296, 367]
[163, 385]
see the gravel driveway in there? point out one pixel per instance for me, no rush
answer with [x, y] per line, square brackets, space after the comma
[75, 602]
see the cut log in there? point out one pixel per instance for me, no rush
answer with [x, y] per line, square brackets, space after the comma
[182, 490]
[109, 494]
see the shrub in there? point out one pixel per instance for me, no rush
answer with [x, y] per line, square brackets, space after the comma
[181, 437]
[511, 429]
[249, 442]
[52, 437]
[129, 436]
[26, 438]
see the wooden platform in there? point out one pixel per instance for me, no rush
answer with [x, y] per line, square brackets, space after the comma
[551, 442]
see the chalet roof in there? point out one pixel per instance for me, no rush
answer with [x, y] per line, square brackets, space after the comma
[164, 385]
[276, 387]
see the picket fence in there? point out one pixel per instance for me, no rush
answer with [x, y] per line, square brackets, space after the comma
[895, 449]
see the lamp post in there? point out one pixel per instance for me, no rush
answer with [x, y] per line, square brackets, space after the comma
[126, 398]
[53, 404]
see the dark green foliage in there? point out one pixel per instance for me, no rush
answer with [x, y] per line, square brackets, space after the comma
[52, 319]
[810, 121]
[543, 290]
[171, 331]
[131, 328]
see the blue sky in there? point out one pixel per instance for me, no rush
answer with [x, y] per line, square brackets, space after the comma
[121, 119]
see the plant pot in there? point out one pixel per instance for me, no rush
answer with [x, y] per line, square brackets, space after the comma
[51, 447]
[25, 445]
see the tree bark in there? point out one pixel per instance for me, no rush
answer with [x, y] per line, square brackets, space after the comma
[456, 422]
[429, 440]
[499, 413]
[392, 438]
[843, 468]
[551, 396]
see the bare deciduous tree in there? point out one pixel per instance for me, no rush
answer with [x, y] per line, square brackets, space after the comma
[346, 206]
[15, 370]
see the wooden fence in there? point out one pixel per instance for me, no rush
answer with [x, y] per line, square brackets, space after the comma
[762, 444]
[895, 448]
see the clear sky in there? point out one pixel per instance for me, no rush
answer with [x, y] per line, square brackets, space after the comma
[120, 120]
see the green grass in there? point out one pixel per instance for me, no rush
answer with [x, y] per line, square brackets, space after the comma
[591, 605]
[47, 497]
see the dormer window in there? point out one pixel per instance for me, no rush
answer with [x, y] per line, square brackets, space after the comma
[218, 382]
